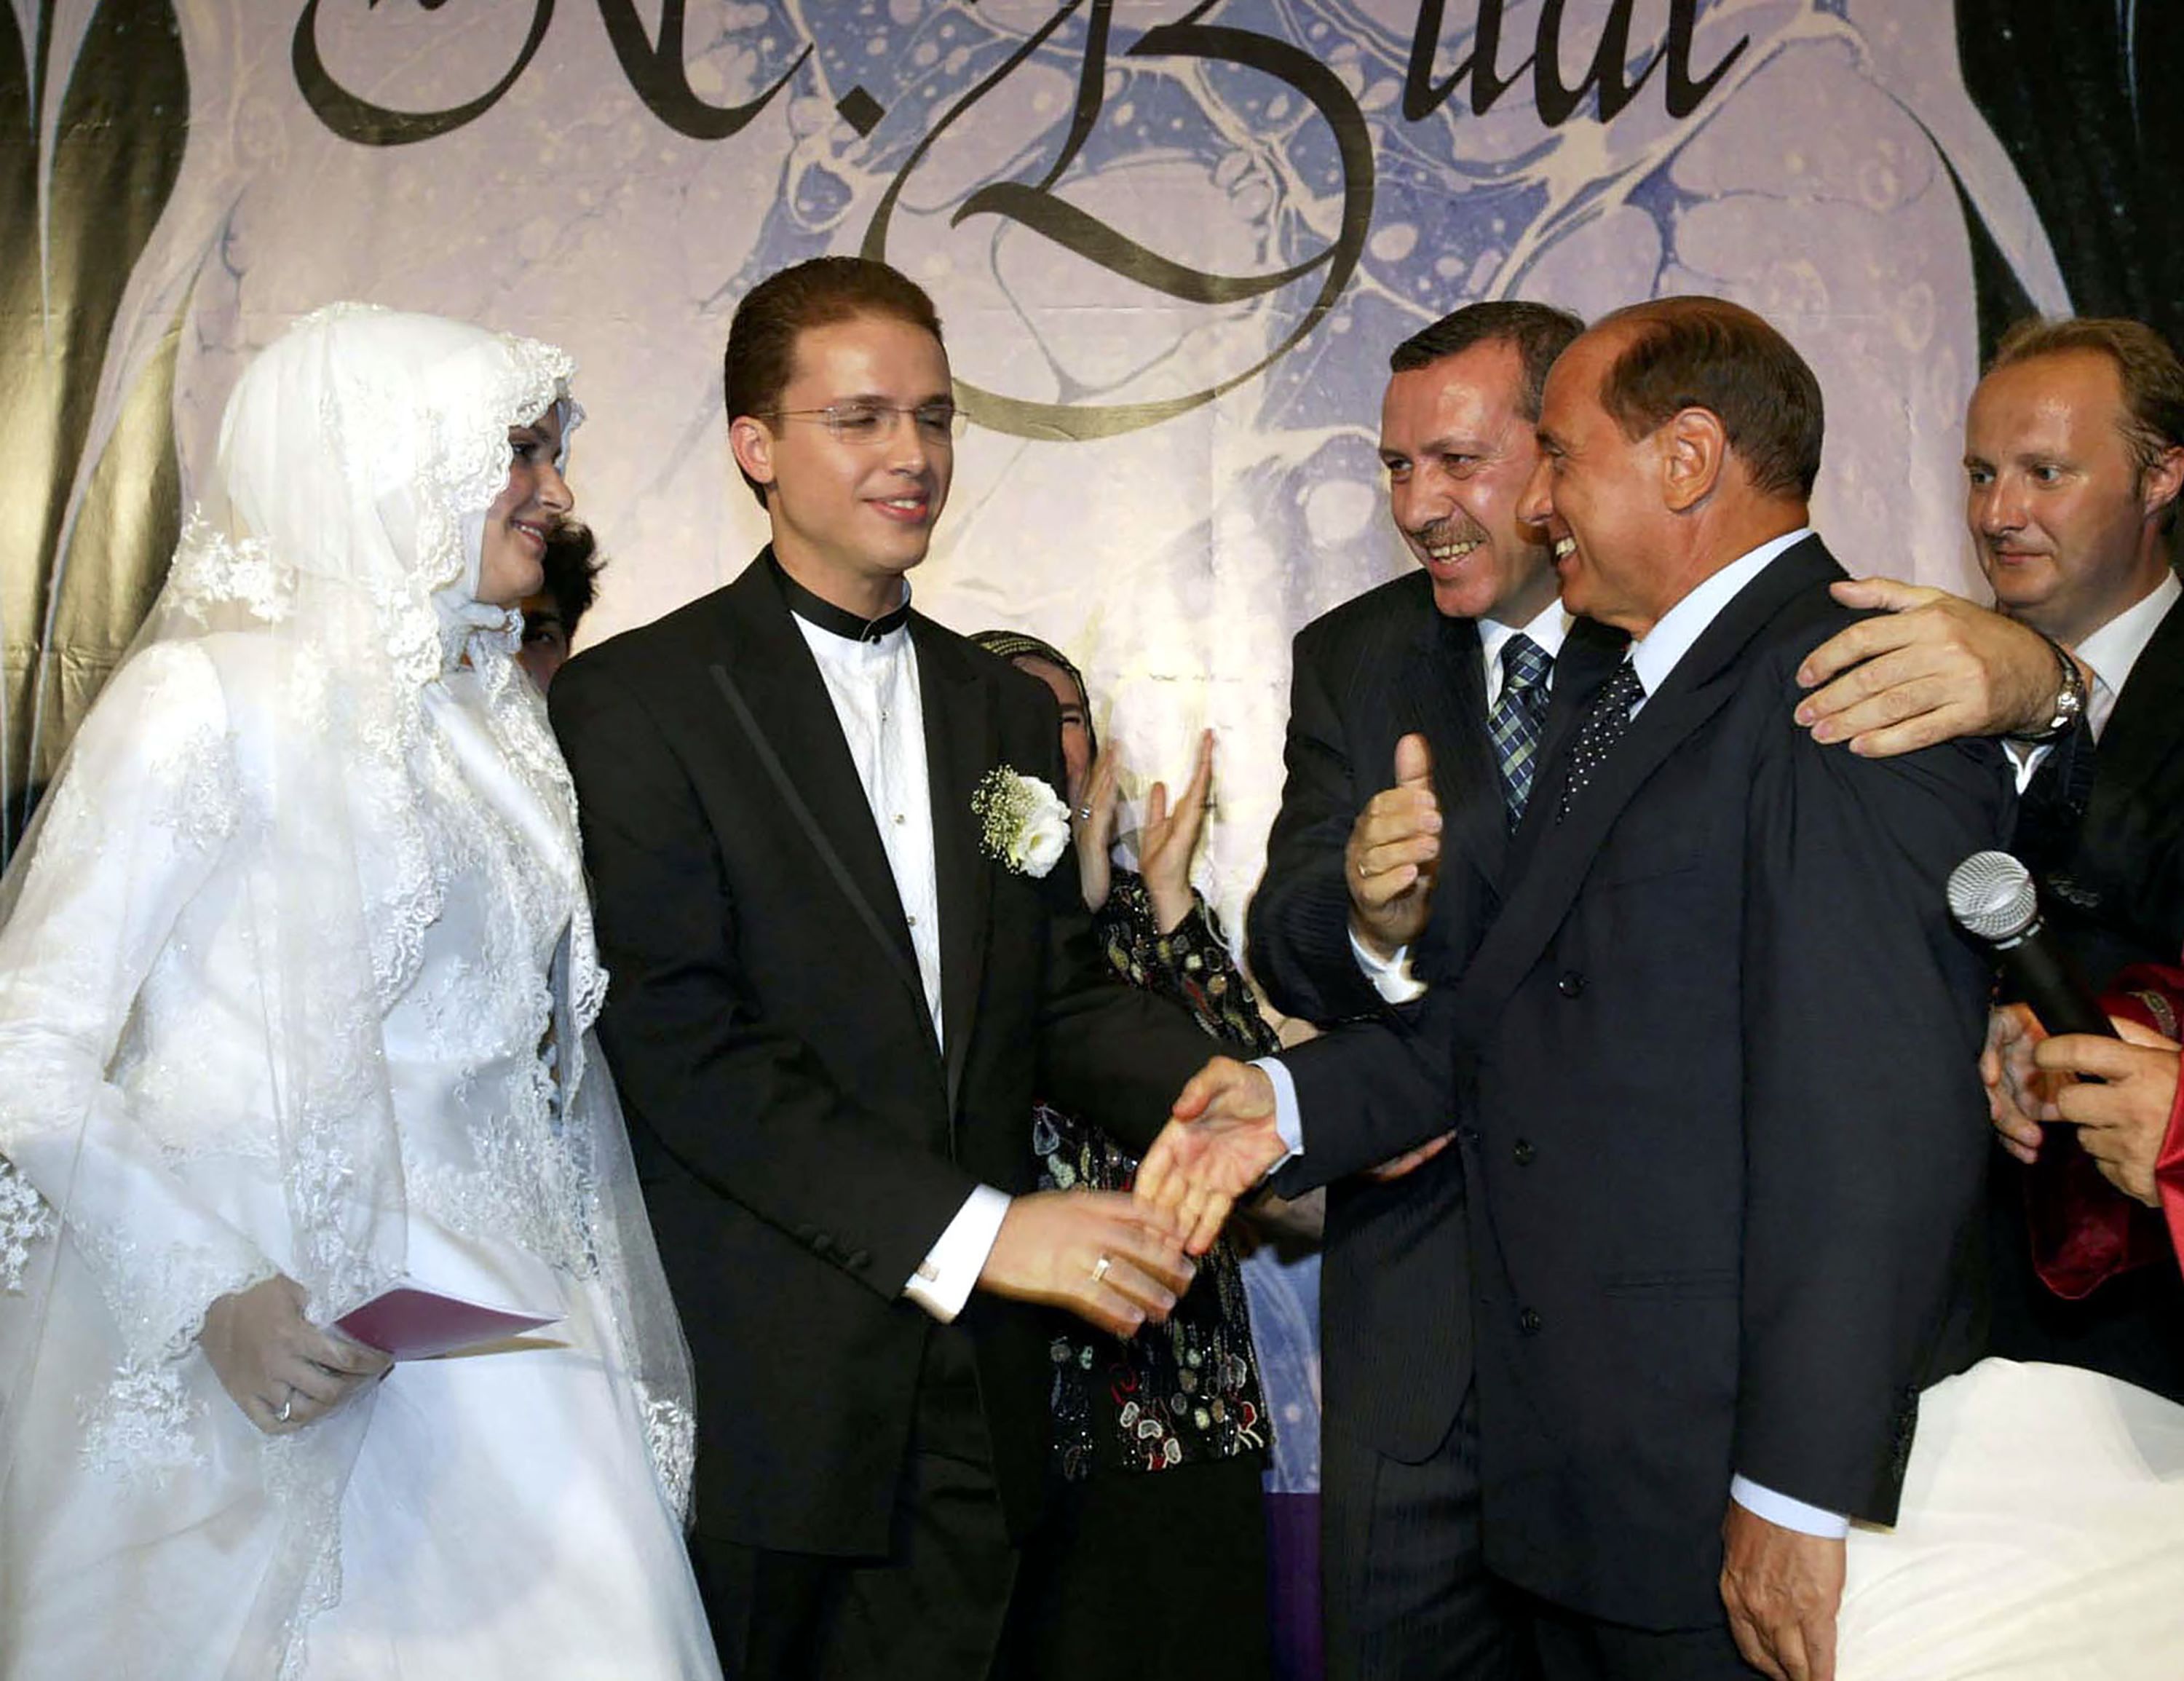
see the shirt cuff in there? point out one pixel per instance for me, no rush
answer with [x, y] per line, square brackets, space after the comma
[1288, 1118]
[1391, 977]
[1785, 1513]
[943, 1279]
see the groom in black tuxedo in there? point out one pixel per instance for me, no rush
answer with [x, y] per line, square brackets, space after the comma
[833, 999]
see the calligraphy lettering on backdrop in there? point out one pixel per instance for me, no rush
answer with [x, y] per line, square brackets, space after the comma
[655, 68]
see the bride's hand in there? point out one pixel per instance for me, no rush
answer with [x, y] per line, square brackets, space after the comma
[280, 1369]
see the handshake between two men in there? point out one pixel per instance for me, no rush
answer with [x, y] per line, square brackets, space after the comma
[1222, 1137]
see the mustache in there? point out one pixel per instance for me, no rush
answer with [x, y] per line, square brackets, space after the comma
[1449, 528]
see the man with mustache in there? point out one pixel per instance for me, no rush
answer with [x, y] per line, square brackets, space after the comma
[1368, 896]
[1708, 1289]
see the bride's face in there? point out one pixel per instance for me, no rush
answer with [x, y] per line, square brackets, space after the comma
[511, 564]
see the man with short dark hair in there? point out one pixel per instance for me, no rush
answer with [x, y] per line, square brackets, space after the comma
[1711, 1273]
[846, 937]
[1440, 684]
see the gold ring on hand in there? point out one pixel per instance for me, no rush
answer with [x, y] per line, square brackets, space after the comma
[287, 1406]
[1100, 1269]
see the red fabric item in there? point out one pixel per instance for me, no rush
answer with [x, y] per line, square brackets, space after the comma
[2085, 1231]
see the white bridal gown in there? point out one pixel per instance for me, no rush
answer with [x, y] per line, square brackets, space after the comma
[501, 1514]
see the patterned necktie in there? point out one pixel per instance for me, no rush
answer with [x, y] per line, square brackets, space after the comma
[1515, 722]
[1604, 721]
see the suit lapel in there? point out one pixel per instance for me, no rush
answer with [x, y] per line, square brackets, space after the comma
[2141, 731]
[1447, 685]
[772, 690]
[962, 743]
[1555, 858]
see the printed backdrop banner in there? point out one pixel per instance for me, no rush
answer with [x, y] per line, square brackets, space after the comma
[1172, 245]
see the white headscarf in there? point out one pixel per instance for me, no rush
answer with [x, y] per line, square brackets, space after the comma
[317, 709]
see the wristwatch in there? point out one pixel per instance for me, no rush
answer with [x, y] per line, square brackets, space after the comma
[2071, 698]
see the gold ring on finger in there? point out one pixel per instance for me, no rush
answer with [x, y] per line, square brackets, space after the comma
[1100, 1269]
[287, 1406]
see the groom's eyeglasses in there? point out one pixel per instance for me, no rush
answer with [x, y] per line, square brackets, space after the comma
[866, 423]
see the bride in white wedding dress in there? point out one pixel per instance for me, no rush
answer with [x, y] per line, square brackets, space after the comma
[296, 980]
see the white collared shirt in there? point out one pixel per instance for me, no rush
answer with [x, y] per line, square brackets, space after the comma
[874, 687]
[2109, 653]
[1548, 628]
[2113, 650]
[878, 703]
[1657, 653]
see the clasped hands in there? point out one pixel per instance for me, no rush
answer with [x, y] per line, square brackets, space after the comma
[2118, 1094]
[1119, 1259]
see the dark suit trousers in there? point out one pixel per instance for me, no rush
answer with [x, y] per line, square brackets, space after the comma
[933, 1609]
[1406, 1591]
[1573, 1648]
[1147, 1574]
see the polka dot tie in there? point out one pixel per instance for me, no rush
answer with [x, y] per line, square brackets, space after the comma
[1604, 724]
[1520, 710]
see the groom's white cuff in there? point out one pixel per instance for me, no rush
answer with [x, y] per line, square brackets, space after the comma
[943, 1281]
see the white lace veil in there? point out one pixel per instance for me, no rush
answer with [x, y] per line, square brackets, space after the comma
[276, 780]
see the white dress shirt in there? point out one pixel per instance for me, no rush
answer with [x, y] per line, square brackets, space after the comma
[874, 683]
[2109, 653]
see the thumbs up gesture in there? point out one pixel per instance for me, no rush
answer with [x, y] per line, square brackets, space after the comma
[1393, 853]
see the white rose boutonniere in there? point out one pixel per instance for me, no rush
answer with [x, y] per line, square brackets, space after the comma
[1022, 822]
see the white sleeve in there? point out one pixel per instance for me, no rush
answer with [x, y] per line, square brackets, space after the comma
[1785, 1513]
[1392, 976]
[137, 823]
[944, 1278]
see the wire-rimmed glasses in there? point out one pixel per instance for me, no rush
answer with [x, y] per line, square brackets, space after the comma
[861, 421]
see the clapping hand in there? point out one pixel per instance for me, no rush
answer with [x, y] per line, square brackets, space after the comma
[1169, 839]
[1092, 827]
[1219, 1142]
[1393, 851]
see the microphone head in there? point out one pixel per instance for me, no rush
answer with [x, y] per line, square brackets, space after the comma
[1991, 894]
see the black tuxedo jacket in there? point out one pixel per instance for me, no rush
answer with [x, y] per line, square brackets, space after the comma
[1724, 1122]
[2103, 830]
[803, 1140]
[1395, 1290]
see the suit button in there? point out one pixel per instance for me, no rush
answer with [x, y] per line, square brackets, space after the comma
[1522, 1152]
[857, 1260]
[1470, 1136]
[1570, 983]
[1527, 1321]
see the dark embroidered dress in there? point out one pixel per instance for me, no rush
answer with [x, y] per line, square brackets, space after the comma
[1186, 1392]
